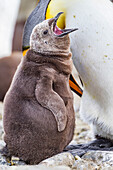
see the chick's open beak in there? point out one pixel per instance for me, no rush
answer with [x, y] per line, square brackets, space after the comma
[57, 31]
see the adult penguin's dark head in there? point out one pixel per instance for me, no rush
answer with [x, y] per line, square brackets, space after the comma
[38, 15]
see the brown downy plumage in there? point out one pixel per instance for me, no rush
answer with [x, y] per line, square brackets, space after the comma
[39, 117]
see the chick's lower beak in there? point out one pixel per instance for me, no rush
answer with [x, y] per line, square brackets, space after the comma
[67, 31]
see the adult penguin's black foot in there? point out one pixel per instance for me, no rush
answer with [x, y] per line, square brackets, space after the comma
[100, 144]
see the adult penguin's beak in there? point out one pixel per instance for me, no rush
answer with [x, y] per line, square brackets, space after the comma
[57, 31]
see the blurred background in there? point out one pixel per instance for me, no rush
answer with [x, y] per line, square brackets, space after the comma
[26, 7]
[13, 15]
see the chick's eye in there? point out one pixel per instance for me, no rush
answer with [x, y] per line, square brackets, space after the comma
[45, 32]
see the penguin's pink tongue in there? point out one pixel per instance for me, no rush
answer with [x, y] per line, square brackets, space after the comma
[57, 30]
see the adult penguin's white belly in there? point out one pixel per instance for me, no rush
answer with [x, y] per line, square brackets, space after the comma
[92, 48]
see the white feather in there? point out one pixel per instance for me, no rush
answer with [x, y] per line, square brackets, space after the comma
[92, 47]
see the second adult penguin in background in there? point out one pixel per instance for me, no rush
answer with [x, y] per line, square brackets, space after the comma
[39, 118]
[8, 66]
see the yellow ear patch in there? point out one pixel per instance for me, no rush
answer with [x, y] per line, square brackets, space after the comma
[54, 7]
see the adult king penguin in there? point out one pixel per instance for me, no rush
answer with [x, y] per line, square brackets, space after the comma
[92, 48]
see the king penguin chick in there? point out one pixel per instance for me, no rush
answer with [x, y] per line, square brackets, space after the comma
[38, 116]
